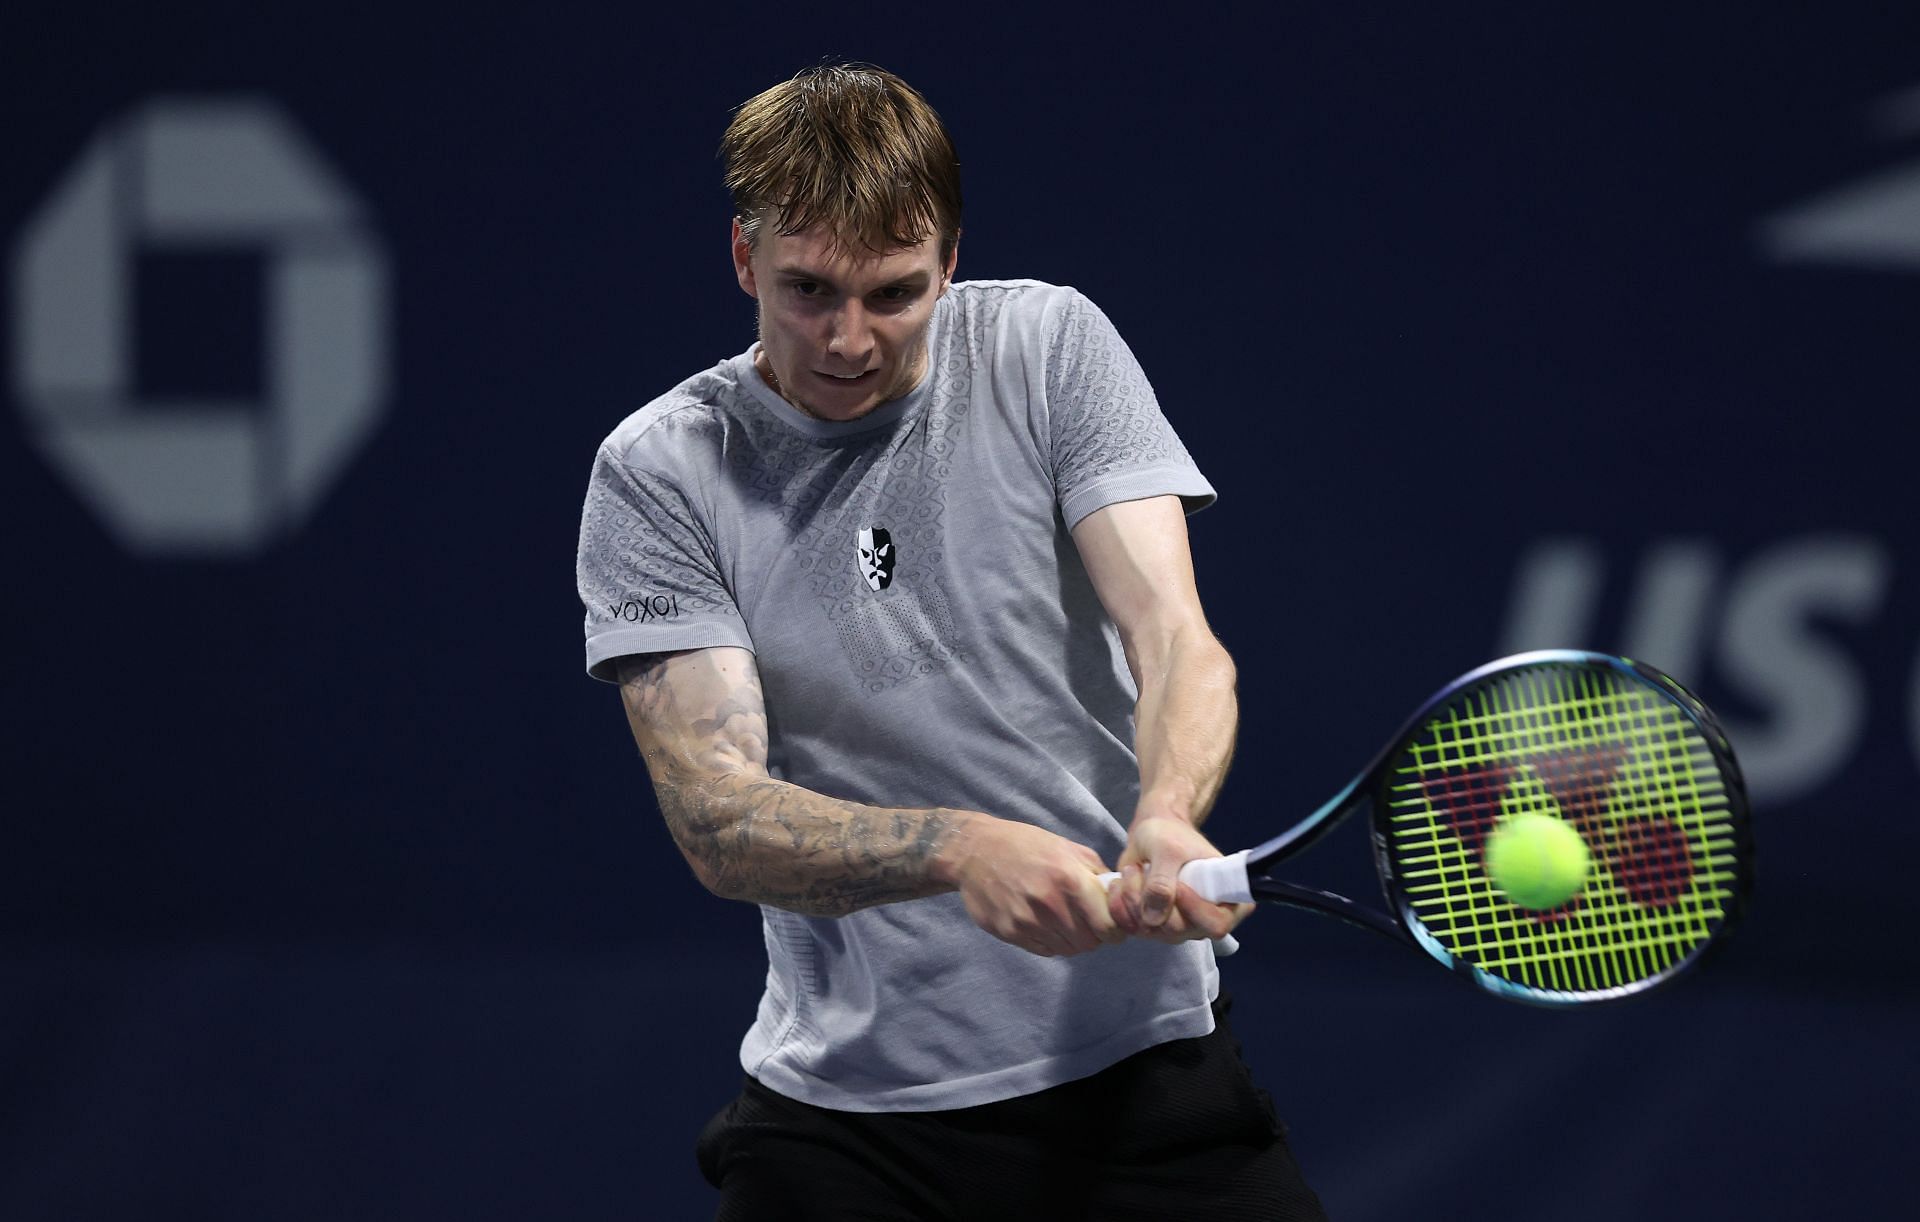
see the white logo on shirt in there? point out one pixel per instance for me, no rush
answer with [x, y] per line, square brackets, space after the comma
[877, 557]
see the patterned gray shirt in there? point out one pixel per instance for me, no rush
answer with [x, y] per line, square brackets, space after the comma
[926, 635]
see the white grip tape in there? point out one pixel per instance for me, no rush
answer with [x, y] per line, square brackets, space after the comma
[1220, 879]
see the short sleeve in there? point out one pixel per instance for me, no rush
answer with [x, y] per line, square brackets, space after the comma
[646, 570]
[1109, 440]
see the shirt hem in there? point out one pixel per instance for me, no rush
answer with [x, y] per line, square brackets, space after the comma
[1000, 1084]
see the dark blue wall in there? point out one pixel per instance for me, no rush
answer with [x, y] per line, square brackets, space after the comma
[330, 886]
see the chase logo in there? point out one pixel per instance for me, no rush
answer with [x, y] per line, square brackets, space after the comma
[217, 474]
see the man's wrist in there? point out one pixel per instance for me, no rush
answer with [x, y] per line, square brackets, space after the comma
[1173, 807]
[960, 841]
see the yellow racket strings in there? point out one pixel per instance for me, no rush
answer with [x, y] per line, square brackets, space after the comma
[1621, 762]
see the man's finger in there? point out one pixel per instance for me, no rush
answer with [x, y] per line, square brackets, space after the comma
[1095, 916]
[1128, 891]
[1117, 905]
[1163, 887]
[1214, 920]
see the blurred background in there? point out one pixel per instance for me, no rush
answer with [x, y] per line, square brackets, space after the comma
[331, 888]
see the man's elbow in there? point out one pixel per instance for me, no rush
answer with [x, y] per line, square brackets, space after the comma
[706, 874]
[705, 832]
[1228, 672]
[1207, 656]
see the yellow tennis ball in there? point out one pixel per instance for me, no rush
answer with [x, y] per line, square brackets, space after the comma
[1536, 860]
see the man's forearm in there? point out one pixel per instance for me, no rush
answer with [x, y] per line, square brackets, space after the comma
[700, 722]
[750, 837]
[1184, 725]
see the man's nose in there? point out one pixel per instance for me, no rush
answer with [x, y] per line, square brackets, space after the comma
[852, 334]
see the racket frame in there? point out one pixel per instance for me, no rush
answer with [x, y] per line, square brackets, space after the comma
[1368, 790]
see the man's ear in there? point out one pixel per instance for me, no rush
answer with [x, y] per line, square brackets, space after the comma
[743, 261]
[953, 260]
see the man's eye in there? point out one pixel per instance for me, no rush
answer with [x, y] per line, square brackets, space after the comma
[895, 294]
[807, 288]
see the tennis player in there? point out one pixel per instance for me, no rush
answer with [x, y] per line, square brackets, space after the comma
[902, 611]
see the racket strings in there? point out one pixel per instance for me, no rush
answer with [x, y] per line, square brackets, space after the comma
[1627, 767]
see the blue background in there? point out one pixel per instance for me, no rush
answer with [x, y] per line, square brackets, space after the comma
[331, 888]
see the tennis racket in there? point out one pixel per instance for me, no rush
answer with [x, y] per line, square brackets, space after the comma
[1621, 752]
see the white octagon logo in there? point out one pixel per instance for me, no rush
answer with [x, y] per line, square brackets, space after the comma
[210, 478]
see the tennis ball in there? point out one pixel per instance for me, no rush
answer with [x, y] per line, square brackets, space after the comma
[1536, 860]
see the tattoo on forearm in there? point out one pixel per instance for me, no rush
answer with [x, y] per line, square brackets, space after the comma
[765, 841]
[774, 843]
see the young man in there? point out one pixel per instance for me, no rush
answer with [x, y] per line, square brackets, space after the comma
[904, 619]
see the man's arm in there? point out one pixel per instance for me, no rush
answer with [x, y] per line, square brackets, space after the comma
[1136, 553]
[701, 725]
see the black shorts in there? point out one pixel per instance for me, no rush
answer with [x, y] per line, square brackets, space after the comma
[1177, 1131]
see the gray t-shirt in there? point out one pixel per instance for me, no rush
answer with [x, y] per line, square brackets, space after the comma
[926, 635]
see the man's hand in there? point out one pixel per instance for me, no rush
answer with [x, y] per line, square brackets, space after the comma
[1031, 888]
[1150, 901]
[1136, 553]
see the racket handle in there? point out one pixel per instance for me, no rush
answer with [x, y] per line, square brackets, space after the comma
[1220, 879]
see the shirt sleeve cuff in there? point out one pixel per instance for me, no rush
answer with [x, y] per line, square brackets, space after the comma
[606, 648]
[1137, 485]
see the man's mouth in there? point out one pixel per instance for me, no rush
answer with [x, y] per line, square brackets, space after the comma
[847, 378]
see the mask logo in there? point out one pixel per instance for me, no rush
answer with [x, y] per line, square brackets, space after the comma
[876, 557]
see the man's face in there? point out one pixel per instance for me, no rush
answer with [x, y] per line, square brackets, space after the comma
[840, 332]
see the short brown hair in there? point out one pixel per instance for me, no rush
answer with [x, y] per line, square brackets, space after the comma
[850, 146]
